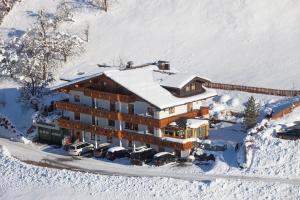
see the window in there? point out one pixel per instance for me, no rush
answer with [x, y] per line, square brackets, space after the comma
[171, 110]
[131, 126]
[112, 106]
[103, 85]
[179, 133]
[189, 133]
[169, 132]
[76, 116]
[93, 102]
[150, 130]
[93, 120]
[150, 111]
[129, 143]
[187, 88]
[193, 86]
[131, 109]
[109, 139]
[76, 98]
[190, 107]
[111, 123]
[92, 136]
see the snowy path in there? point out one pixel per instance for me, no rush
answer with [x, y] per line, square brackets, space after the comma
[35, 154]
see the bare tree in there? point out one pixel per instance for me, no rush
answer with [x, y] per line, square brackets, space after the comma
[86, 32]
[32, 58]
[103, 4]
[64, 11]
[69, 46]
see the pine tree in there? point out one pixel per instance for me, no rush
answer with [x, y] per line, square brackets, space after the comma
[251, 113]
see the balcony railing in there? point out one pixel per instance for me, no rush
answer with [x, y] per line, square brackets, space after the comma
[107, 95]
[132, 136]
[100, 112]
[137, 119]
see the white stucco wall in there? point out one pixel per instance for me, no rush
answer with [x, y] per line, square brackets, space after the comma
[178, 110]
[101, 121]
[84, 100]
[100, 103]
[85, 118]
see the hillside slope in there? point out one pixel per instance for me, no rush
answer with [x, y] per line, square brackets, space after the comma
[255, 42]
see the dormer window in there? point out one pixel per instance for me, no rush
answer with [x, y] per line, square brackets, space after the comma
[193, 86]
[187, 88]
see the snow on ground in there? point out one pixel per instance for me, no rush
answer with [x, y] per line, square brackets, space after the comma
[255, 42]
[274, 156]
[23, 181]
[20, 115]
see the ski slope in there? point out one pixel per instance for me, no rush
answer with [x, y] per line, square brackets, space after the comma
[251, 42]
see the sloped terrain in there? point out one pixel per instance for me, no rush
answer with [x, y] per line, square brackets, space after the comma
[246, 42]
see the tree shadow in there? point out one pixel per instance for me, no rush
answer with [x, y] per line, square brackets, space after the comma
[12, 32]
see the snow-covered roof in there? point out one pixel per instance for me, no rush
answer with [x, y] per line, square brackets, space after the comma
[161, 154]
[143, 83]
[82, 70]
[177, 80]
[181, 141]
[195, 123]
[77, 80]
[113, 149]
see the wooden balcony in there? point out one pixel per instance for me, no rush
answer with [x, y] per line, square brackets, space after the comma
[106, 95]
[137, 119]
[149, 121]
[132, 136]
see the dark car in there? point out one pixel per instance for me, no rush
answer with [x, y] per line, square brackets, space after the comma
[291, 134]
[204, 157]
[163, 158]
[117, 152]
[142, 156]
[101, 151]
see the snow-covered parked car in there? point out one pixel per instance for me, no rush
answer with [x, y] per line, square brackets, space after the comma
[142, 156]
[101, 150]
[204, 157]
[290, 134]
[163, 158]
[117, 152]
[80, 148]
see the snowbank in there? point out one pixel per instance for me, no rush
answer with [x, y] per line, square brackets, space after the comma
[22, 180]
[273, 156]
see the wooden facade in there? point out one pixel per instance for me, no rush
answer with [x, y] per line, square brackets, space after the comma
[137, 119]
[104, 88]
[193, 87]
[131, 136]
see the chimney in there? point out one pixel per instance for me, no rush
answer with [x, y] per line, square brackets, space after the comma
[163, 65]
[129, 65]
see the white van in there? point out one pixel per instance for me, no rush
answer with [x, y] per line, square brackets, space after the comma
[80, 148]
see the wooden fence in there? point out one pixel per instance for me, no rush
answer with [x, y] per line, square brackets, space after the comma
[249, 89]
[285, 111]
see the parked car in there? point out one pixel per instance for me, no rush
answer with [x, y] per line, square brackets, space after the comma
[117, 152]
[204, 157]
[291, 134]
[80, 148]
[144, 155]
[163, 158]
[101, 150]
[137, 148]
